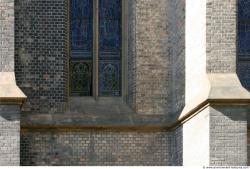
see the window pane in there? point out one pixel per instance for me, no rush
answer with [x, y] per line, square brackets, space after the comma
[81, 47]
[110, 13]
[244, 29]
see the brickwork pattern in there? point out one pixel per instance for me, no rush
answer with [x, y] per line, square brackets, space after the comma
[6, 35]
[177, 147]
[228, 136]
[41, 53]
[248, 147]
[176, 11]
[153, 67]
[221, 36]
[94, 148]
[9, 135]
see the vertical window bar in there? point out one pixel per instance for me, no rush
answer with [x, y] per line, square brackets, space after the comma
[96, 47]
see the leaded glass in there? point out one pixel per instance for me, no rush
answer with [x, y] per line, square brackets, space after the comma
[81, 47]
[82, 76]
[244, 29]
[81, 28]
[109, 47]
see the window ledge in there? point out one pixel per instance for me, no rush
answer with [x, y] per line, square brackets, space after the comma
[87, 112]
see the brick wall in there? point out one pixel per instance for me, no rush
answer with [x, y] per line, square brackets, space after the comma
[9, 135]
[42, 60]
[9, 114]
[176, 11]
[153, 67]
[41, 53]
[248, 147]
[228, 136]
[6, 36]
[95, 148]
[221, 36]
[177, 147]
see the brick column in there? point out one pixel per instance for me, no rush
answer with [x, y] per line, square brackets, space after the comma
[228, 124]
[214, 93]
[11, 97]
[228, 135]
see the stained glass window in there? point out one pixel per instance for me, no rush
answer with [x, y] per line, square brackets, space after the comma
[110, 47]
[244, 29]
[109, 17]
[81, 47]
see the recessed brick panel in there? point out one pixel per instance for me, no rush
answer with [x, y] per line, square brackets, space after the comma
[41, 53]
[153, 66]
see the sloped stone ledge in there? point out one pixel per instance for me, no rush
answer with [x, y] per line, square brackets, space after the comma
[9, 91]
[222, 89]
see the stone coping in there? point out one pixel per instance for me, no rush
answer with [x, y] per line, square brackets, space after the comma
[112, 122]
[222, 89]
[83, 120]
[9, 91]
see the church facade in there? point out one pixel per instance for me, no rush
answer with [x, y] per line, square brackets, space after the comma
[124, 82]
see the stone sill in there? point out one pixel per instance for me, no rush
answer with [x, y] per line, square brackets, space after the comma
[86, 115]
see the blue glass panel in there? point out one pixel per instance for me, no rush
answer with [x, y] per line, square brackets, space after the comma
[110, 12]
[243, 9]
[81, 28]
[110, 78]
[244, 29]
[81, 47]
[110, 25]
